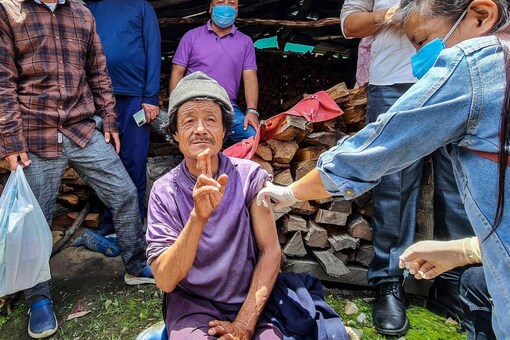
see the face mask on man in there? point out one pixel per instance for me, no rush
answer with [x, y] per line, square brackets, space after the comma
[423, 60]
[223, 15]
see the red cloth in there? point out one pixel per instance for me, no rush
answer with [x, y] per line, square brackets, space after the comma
[317, 107]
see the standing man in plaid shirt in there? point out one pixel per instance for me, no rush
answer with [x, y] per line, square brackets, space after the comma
[53, 80]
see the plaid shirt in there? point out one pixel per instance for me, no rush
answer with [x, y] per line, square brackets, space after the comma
[53, 77]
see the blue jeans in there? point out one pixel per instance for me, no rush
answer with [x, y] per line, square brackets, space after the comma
[134, 143]
[476, 305]
[99, 165]
[395, 200]
[237, 133]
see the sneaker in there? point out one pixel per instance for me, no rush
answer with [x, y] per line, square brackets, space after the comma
[98, 243]
[42, 321]
[154, 332]
[143, 278]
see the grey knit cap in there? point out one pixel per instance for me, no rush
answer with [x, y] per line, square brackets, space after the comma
[198, 85]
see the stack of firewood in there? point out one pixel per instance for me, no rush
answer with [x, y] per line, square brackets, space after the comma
[332, 231]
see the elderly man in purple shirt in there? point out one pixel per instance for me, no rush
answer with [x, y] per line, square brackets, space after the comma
[209, 245]
[225, 54]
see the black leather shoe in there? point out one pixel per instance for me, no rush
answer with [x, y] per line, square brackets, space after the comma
[443, 298]
[389, 311]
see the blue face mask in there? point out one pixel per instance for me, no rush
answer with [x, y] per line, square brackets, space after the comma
[425, 58]
[223, 15]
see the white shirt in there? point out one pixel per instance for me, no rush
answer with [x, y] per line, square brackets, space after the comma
[390, 52]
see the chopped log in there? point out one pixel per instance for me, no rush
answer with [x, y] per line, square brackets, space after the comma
[264, 152]
[300, 169]
[324, 201]
[293, 128]
[317, 236]
[292, 223]
[354, 114]
[91, 220]
[280, 166]
[359, 227]
[338, 91]
[311, 153]
[364, 255]
[4, 166]
[263, 164]
[295, 246]
[363, 199]
[82, 193]
[304, 208]
[340, 204]
[367, 211]
[68, 199]
[57, 236]
[339, 255]
[326, 139]
[283, 152]
[341, 241]
[281, 237]
[70, 173]
[70, 232]
[331, 217]
[283, 177]
[281, 212]
[75, 182]
[330, 263]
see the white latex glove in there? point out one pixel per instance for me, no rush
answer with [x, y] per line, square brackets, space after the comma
[428, 259]
[282, 196]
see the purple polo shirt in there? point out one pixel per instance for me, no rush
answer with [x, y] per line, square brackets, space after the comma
[223, 59]
[226, 255]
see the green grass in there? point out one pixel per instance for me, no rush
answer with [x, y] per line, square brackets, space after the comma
[125, 313]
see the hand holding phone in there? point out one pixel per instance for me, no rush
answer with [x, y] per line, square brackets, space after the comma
[140, 118]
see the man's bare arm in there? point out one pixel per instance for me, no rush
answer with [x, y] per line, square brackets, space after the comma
[177, 74]
[263, 279]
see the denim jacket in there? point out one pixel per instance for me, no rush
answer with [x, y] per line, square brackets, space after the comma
[456, 105]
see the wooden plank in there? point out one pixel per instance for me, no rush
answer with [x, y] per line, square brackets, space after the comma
[283, 152]
[300, 169]
[264, 151]
[70, 173]
[357, 275]
[330, 263]
[310, 153]
[340, 255]
[293, 128]
[341, 241]
[68, 199]
[281, 212]
[295, 246]
[283, 177]
[325, 139]
[317, 236]
[363, 199]
[293, 223]
[359, 227]
[331, 217]
[92, 220]
[338, 91]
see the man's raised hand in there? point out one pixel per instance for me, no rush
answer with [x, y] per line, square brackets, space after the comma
[208, 192]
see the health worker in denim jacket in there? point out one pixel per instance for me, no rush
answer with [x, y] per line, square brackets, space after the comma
[396, 196]
[225, 54]
[461, 105]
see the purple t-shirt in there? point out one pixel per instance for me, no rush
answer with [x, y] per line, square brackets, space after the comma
[226, 255]
[223, 59]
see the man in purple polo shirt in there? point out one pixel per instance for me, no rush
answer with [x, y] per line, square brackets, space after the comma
[225, 54]
[209, 245]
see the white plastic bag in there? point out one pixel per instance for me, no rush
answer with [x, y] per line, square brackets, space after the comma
[25, 237]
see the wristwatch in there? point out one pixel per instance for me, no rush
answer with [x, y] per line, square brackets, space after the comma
[252, 110]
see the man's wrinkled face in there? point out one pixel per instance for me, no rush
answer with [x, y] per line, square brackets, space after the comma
[199, 126]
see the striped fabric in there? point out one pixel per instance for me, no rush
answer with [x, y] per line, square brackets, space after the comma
[53, 77]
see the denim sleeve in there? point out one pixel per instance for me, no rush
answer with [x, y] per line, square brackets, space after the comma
[433, 113]
[152, 42]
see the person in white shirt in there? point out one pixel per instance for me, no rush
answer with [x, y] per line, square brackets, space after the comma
[395, 199]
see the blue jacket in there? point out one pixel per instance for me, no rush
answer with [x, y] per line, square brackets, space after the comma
[297, 307]
[456, 105]
[129, 32]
